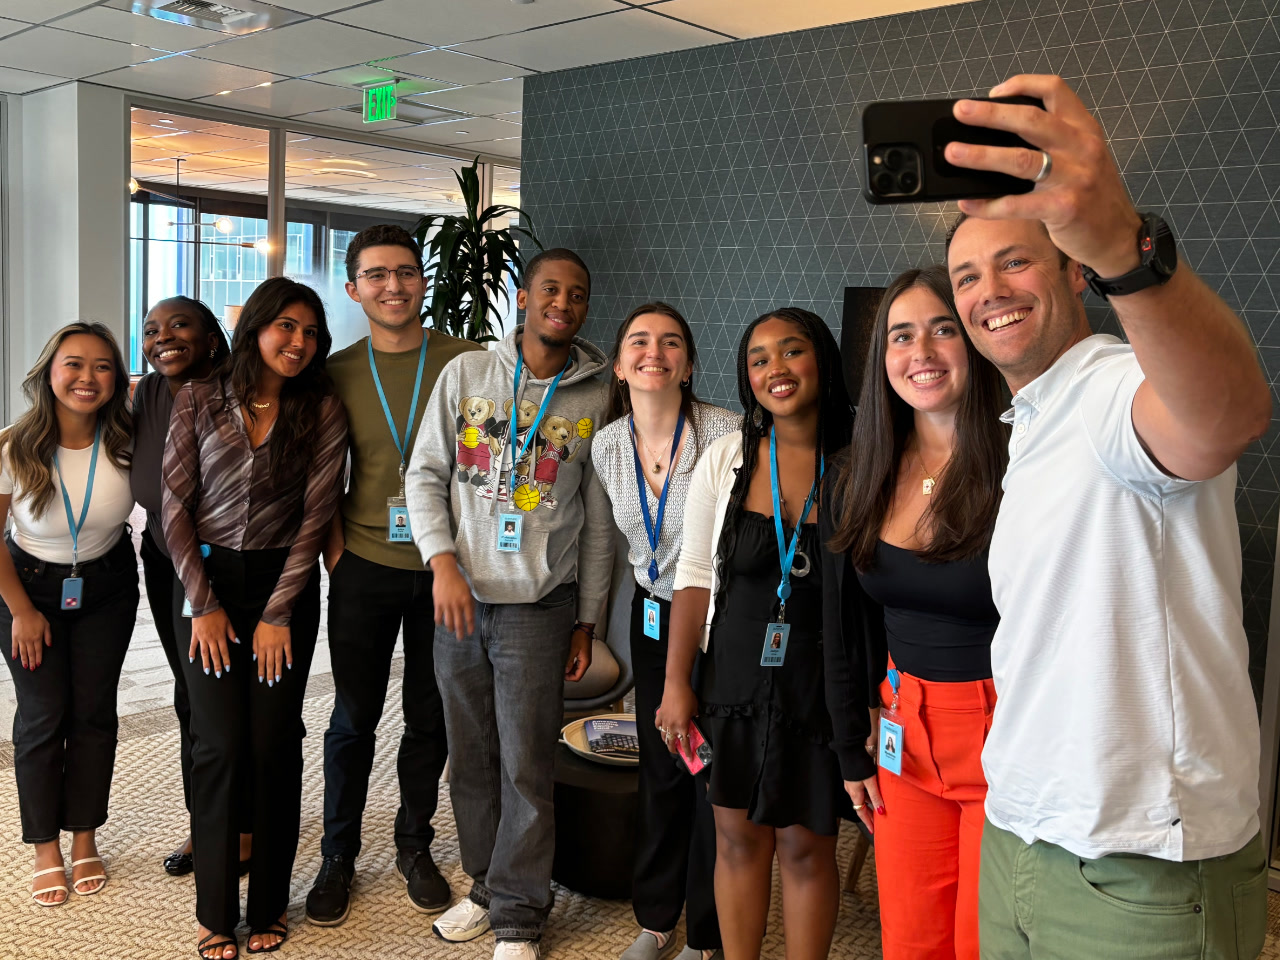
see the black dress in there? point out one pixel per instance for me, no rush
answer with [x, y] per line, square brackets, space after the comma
[768, 726]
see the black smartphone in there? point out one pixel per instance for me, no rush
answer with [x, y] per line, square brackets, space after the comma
[902, 147]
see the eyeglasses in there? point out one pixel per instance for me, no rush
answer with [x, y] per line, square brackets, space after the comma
[378, 276]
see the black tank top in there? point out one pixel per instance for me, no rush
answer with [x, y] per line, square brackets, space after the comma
[938, 617]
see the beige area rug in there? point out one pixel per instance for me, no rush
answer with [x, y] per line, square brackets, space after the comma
[145, 913]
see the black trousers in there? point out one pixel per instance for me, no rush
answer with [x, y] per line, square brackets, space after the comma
[368, 605]
[233, 714]
[165, 597]
[676, 846]
[64, 731]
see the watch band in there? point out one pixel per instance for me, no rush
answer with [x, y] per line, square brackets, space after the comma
[1159, 255]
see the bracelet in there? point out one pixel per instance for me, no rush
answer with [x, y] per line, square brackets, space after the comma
[589, 631]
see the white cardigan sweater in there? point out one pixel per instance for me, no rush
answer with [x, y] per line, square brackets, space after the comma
[704, 510]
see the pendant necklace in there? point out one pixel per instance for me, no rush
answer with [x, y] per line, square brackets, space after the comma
[657, 460]
[930, 479]
[262, 406]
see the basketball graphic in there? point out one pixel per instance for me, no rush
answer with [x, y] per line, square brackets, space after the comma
[471, 438]
[584, 428]
[526, 497]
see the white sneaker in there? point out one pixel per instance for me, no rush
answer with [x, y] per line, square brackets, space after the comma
[464, 921]
[515, 950]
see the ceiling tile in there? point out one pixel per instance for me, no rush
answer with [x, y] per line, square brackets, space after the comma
[501, 148]
[323, 146]
[209, 162]
[471, 128]
[11, 26]
[368, 74]
[619, 36]
[46, 50]
[453, 67]
[351, 121]
[258, 153]
[760, 18]
[184, 77]
[288, 98]
[316, 7]
[484, 99]
[308, 47]
[181, 144]
[23, 81]
[38, 11]
[444, 22]
[132, 28]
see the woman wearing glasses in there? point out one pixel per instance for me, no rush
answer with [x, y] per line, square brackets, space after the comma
[69, 582]
[251, 480]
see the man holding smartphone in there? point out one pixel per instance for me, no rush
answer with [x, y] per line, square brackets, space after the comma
[1123, 757]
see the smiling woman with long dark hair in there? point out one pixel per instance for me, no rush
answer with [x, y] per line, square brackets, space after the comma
[750, 515]
[905, 564]
[251, 477]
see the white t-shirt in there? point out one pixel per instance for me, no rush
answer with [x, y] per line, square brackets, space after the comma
[1125, 720]
[49, 536]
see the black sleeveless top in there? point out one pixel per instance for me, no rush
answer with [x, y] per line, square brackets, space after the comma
[938, 617]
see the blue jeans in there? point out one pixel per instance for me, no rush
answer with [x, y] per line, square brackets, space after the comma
[503, 691]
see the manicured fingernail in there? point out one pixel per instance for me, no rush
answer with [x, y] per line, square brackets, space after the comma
[217, 674]
[289, 665]
[880, 809]
[191, 659]
[277, 678]
[260, 678]
[255, 656]
[269, 683]
[206, 671]
[235, 639]
[227, 667]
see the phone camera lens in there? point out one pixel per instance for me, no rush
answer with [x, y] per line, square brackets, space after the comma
[908, 182]
[882, 183]
[893, 159]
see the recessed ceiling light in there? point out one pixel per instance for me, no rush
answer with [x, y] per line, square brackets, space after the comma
[163, 120]
[462, 133]
[223, 93]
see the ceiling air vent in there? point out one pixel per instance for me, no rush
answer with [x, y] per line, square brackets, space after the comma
[204, 11]
[238, 17]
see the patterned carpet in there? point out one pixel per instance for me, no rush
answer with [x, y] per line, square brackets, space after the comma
[144, 913]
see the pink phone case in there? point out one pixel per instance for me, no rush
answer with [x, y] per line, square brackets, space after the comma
[695, 753]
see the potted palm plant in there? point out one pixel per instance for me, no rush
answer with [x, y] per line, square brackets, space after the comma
[469, 261]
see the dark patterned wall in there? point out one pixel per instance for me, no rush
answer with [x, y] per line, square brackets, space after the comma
[726, 179]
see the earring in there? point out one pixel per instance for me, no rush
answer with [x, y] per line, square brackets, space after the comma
[685, 383]
[622, 381]
[213, 353]
[757, 417]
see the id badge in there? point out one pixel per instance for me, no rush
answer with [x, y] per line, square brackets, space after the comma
[892, 742]
[652, 619]
[72, 593]
[775, 644]
[509, 527]
[398, 521]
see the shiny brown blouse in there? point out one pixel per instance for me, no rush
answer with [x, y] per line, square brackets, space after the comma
[218, 490]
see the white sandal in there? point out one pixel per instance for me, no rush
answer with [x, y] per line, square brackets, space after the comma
[37, 894]
[96, 876]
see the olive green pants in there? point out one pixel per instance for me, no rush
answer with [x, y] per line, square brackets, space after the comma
[1041, 902]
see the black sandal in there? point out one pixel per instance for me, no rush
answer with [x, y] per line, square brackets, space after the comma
[204, 946]
[276, 929]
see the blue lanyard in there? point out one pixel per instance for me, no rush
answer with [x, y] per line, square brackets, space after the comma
[787, 555]
[515, 401]
[654, 530]
[413, 404]
[88, 495]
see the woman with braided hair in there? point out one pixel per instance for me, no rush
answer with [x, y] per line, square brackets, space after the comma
[748, 586]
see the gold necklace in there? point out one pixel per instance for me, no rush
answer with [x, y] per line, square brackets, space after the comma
[261, 406]
[930, 479]
[657, 460]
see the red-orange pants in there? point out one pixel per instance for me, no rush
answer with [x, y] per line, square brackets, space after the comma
[929, 839]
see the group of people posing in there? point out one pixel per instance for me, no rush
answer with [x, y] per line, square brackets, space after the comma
[1008, 640]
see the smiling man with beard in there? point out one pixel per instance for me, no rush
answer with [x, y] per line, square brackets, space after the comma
[1122, 762]
[512, 571]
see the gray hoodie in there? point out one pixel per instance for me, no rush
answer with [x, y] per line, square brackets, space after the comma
[459, 481]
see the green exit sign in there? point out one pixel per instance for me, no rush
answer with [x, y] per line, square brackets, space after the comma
[380, 103]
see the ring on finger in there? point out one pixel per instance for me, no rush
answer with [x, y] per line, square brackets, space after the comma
[858, 806]
[1046, 167]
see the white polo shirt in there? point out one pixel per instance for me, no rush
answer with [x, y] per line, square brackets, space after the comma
[1125, 721]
